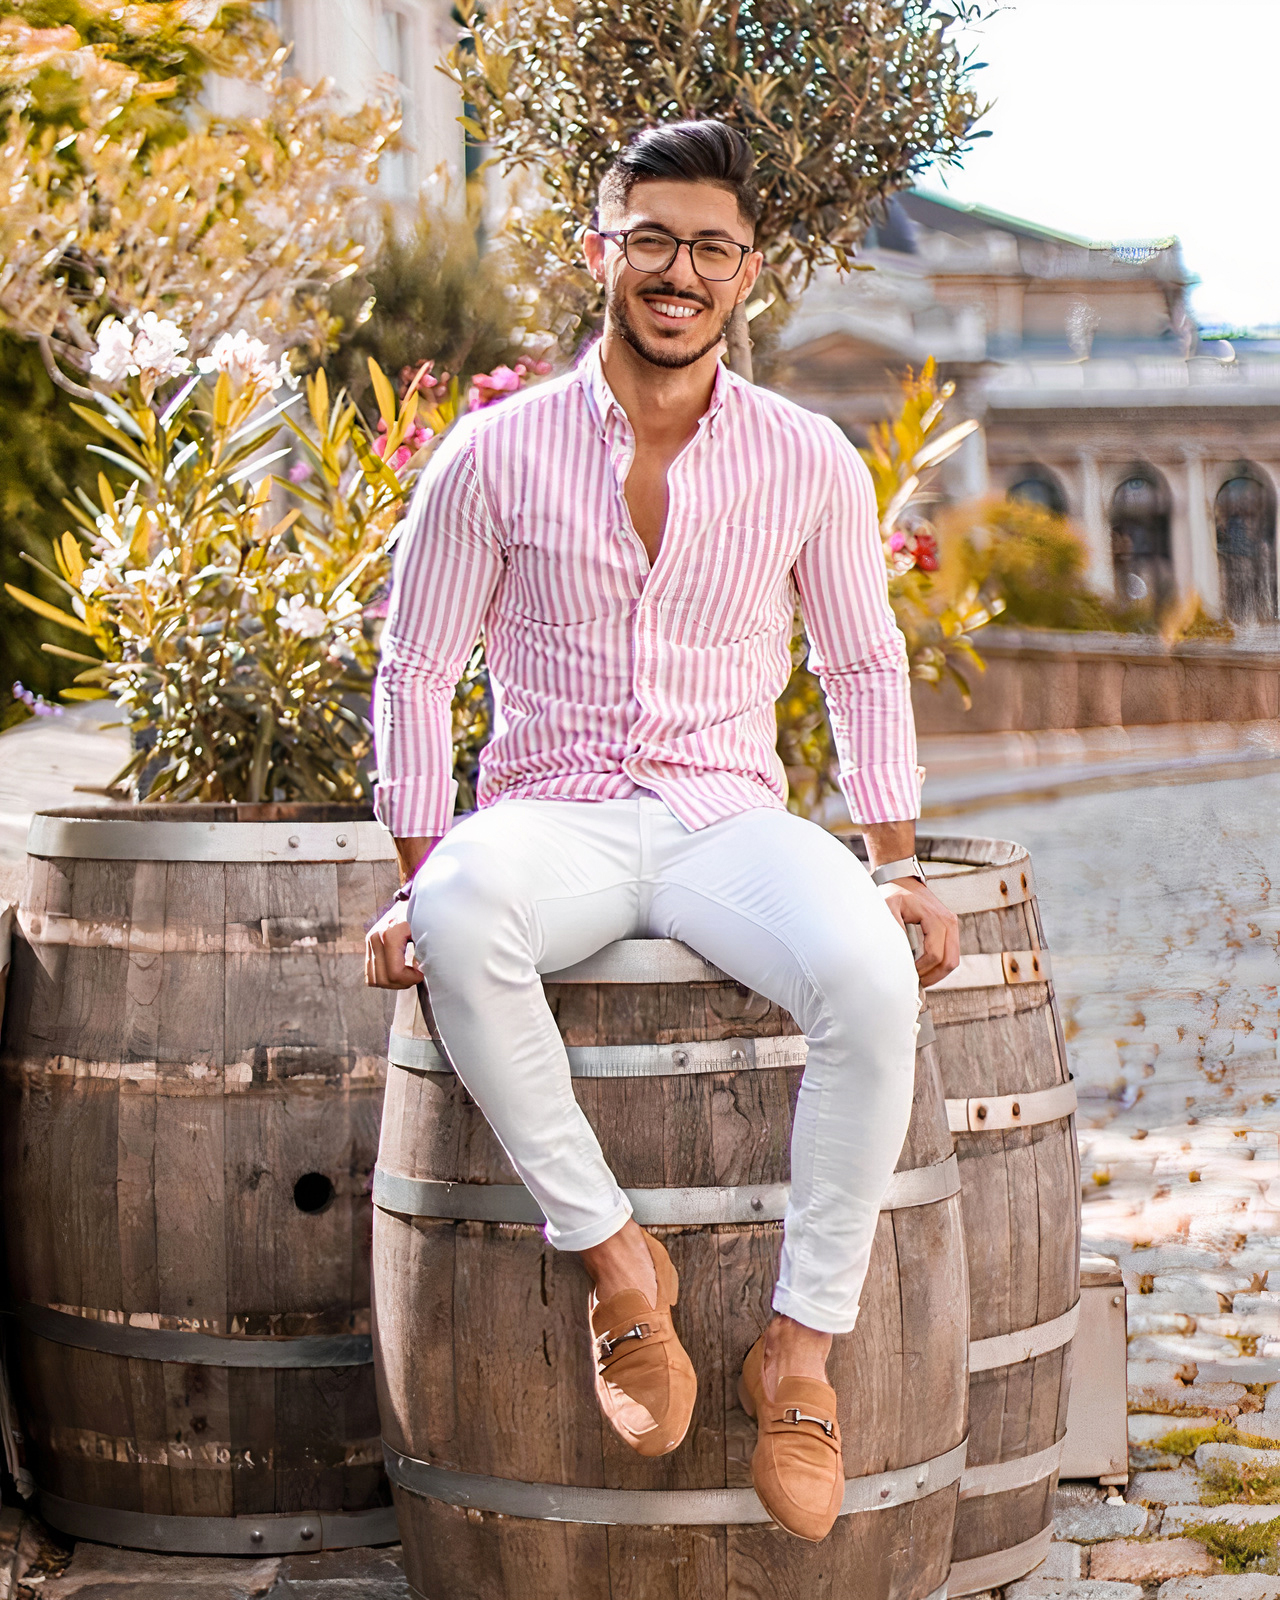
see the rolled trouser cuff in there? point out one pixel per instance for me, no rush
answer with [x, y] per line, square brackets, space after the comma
[594, 1233]
[787, 1303]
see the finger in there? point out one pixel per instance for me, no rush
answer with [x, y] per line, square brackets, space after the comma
[933, 930]
[949, 956]
[401, 973]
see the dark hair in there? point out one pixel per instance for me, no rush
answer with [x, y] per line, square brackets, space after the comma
[705, 151]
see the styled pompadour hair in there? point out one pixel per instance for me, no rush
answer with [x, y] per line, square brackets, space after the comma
[703, 151]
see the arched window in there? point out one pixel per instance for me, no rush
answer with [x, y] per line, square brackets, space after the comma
[1038, 487]
[1140, 538]
[1245, 515]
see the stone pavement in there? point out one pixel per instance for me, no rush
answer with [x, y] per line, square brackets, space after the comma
[1162, 911]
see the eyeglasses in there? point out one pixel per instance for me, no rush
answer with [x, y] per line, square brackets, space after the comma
[654, 250]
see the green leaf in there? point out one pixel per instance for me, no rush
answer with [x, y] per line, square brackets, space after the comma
[140, 473]
[107, 429]
[42, 608]
[386, 395]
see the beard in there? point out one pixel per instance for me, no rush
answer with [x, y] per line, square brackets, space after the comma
[655, 354]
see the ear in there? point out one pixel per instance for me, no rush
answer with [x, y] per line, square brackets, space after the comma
[751, 268]
[594, 247]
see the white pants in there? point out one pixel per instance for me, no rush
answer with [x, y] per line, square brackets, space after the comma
[532, 886]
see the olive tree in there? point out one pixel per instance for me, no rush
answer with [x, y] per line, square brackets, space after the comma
[844, 102]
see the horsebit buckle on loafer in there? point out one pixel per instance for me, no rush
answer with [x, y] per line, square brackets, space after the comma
[794, 1414]
[607, 1346]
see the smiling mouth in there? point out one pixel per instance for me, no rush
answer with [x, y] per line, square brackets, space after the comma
[673, 311]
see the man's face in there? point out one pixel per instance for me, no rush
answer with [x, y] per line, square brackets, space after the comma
[674, 317]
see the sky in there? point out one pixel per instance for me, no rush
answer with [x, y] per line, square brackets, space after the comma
[1127, 119]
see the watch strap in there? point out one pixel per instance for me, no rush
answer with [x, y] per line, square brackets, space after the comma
[891, 871]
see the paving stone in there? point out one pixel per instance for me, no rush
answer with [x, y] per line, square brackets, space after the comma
[1230, 1586]
[1149, 1562]
[1063, 1561]
[343, 1575]
[1108, 1519]
[1067, 1589]
[1178, 1518]
[1078, 1492]
[1241, 1454]
[1176, 1488]
[100, 1572]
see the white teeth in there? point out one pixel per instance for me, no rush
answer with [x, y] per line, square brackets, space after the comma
[669, 310]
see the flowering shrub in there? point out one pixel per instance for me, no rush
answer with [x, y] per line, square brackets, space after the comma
[936, 609]
[237, 614]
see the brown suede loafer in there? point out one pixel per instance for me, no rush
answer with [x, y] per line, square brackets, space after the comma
[797, 1467]
[645, 1382]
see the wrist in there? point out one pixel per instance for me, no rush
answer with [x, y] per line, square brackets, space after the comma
[908, 867]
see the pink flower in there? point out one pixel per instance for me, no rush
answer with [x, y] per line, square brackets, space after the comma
[299, 472]
[926, 551]
[486, 387]
[897, 539]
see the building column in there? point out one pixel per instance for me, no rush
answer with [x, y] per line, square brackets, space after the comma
[1097, 527]
[1202, 554]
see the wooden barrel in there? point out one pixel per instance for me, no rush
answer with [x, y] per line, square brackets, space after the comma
[1011, 1106]
[507, 1482]
[192, 1070]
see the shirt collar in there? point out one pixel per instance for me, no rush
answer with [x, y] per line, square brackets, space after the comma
[604, 403]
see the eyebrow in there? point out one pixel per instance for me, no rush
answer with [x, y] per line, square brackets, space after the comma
[702, 233]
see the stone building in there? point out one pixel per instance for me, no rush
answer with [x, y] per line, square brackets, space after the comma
[362, 44]
[1097, 392]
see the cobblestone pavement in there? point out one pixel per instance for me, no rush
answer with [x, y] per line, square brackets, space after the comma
[1162, 911]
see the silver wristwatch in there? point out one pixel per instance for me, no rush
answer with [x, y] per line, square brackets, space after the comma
[909, 867]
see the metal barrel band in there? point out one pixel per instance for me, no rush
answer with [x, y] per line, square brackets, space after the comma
[272, 1534]
[998, 1477]
[704, 1207]
[997, 1113]
[650, 1508]
[1025, 1344]
[986, 889]
[418, 1053]
[633, 1060]
[981, 1573]
[104, 839]
[193, 1349]
[997, 969]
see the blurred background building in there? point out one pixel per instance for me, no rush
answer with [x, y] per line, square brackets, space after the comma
[1098, 395]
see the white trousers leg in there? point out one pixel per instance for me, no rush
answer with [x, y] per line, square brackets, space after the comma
[527, 887]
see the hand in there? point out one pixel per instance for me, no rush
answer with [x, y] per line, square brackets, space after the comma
[912, 901]
[385, 963]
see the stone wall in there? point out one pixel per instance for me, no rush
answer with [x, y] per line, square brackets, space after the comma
[1041, 680]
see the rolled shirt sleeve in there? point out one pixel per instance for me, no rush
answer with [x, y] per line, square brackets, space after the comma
[447, 567]
[856, 647]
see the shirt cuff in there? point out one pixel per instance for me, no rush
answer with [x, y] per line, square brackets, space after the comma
[883, 794]
[415, 808]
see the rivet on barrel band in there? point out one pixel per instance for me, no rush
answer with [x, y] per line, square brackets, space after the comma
[193, 1349]
[648, 1508]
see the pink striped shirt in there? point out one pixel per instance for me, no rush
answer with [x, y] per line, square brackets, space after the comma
[608, 677]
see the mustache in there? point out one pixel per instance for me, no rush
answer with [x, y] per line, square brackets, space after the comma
[662, 293]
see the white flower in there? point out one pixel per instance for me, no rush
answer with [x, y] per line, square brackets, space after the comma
[113, 359]
[157, 347]
[246, 361]
[95, 574]
[152, 344]
[296, 616]
[345, 605]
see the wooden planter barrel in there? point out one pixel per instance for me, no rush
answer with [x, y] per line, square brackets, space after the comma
[1011, 1106]
[507, 1482]
[191, 1071]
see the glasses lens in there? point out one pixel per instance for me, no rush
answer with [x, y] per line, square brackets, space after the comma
[716, 259]
[650, 251]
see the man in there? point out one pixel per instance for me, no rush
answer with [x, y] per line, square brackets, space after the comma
[630, 540]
